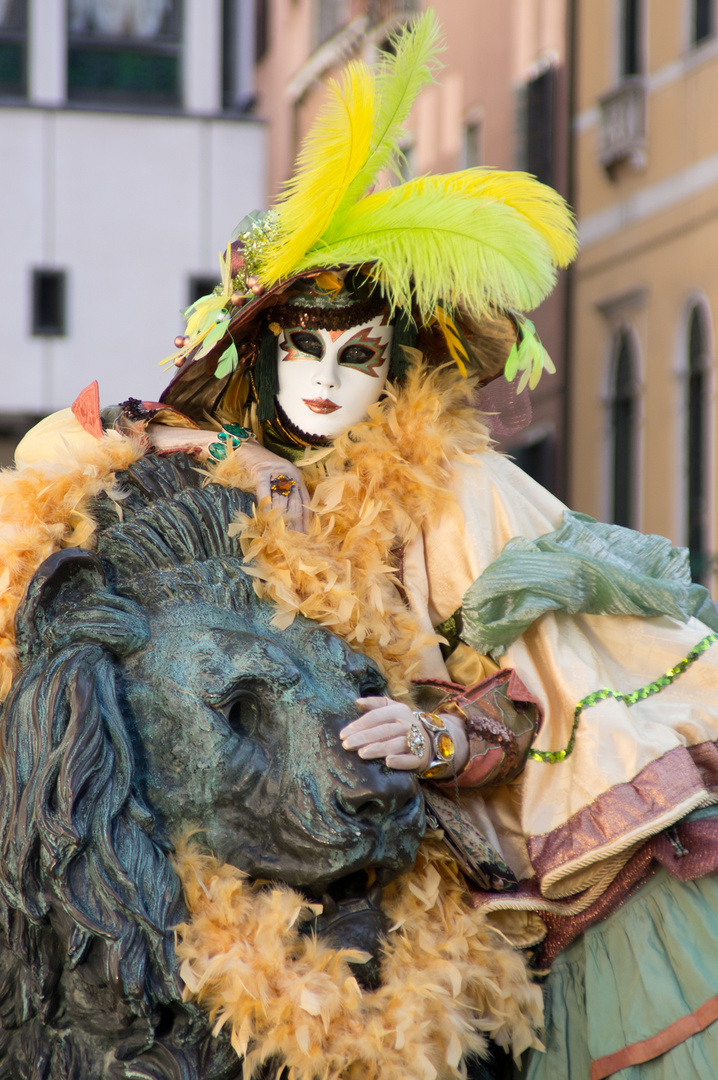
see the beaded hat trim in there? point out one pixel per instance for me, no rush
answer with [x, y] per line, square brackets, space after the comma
[340, 317]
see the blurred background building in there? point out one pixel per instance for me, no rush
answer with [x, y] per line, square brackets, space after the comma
[126, 158]
[134, 133]
[643, 416]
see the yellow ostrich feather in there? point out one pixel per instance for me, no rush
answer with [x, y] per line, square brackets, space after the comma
[332, 154]
[456, 347]
[541, 206]
[432, 242]
[398, 79]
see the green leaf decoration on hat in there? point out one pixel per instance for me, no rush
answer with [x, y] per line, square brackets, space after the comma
[207, 317]
[528, 357]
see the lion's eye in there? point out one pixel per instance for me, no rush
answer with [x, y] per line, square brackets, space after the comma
[244, 713]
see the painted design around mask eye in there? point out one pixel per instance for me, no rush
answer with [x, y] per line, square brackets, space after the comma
[300, 344]
[364, 352]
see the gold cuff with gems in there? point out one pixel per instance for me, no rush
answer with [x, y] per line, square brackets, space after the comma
[443, 749]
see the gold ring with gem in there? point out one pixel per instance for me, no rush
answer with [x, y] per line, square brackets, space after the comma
[416, 741]
[282, 485]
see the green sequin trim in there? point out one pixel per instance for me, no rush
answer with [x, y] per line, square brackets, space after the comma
[450, 629]
[655, 687]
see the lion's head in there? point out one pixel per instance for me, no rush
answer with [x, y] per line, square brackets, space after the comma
[156, 695]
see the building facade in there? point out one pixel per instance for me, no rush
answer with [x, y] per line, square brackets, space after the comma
[127, 157]
[500, 100]
[644, 412]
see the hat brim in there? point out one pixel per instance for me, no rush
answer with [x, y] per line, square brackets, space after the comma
[197, 392]
[239, 326]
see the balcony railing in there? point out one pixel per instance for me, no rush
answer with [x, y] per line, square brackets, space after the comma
[380, 11]
[622, 134]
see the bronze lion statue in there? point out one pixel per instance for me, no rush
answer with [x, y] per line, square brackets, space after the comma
[155, 695]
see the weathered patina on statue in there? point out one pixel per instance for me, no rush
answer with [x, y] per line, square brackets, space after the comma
[156, 696]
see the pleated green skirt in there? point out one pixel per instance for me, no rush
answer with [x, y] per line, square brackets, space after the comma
[651, 963]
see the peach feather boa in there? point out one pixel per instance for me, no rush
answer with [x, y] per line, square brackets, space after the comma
[43, 508]
[385, 480]
[448, 979]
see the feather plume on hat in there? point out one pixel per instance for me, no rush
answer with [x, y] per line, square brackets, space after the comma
[479, 241]
[478, 237]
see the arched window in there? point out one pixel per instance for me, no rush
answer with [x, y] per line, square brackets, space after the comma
[696, 442]
[631, 37]
[623, 429]
[703, 16]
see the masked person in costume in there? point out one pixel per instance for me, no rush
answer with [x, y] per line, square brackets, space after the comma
[566, 671]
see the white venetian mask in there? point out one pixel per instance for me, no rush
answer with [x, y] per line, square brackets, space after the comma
[329, 378]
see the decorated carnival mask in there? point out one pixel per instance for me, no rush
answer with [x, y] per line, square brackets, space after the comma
[329, 378]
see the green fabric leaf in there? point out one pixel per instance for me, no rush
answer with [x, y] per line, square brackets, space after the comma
[512, 364]
[218, 331]
[584, 566]
[248, 222]
[530, 358]
[227, 362]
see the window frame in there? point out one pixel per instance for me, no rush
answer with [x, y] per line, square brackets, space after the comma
[473, 122]
[200, 284]
[15, 37]
[624, 8]
[41, 325]
[125, 51]
[694, 41]
[325, 29]
[697, 377]
[624, 334]
[540, 148]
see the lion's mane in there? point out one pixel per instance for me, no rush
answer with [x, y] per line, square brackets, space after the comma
[88, 899]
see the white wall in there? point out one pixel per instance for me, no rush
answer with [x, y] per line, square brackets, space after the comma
[130, 206]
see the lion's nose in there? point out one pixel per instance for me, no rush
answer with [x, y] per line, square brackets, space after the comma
[387, 794]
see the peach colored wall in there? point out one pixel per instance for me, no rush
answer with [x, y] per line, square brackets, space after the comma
[650, 237]
[490, 49]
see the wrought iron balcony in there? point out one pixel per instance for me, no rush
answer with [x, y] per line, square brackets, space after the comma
[622, 135]
[381, 10]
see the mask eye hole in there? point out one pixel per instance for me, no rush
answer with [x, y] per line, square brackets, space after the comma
[357, 356]
[305, 342]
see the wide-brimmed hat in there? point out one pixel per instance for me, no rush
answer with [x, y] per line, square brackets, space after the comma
[458, 257]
